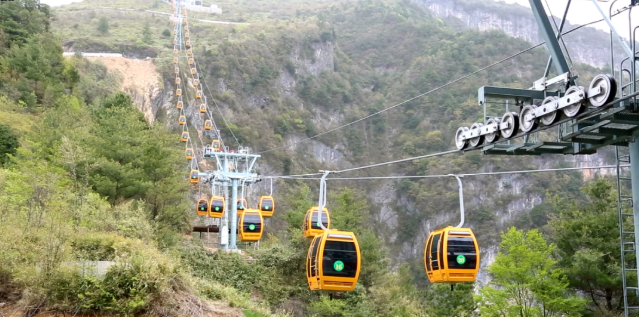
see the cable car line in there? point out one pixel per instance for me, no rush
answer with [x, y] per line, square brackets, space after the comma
[299, 177]
[198, 82]
[437, 88]
[228, 126]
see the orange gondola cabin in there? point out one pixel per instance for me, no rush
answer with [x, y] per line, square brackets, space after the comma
[185, 136]
[333, 261]
[196, 82]
[194, 176]
[202, 207]
[242, 204]
[188, 153]
[311, 226]
[217, 207]
[191, 61]
[178, 92]
[202, 108]
[216, 145]
[177, 70]
[189, 52]
[188, 43]
[451, 255]
[208, 124]
[182, 120]
[266, 206]
[186, 35]
[180, 104]
[251, 223]
[193, 71]
[178, 81]
[175, 60]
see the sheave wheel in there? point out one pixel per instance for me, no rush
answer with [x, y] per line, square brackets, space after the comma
[524, 125]
[492, 137]
[577, 108]
[550, 118]
[512, 118]
[459, 143]
[477, 140]
[608, 87]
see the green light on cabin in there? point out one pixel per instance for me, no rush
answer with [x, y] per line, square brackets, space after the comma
[461, 259]
[252, 227]
[338, 266]
[217, 208]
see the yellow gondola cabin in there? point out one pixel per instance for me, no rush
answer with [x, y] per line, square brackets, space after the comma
[175, 41]
[188, 153]
[451, 255]
[189, 52]
[193, 71]
[242, 204]
[186, 35]
[202, 207]
[208, 124]
[251, 223]
[216, 145]
[217, 207]
[188, 43]
[180, 104]
[175, 60]
[185, 136]
[191, 61]
[333, 261]
[194, 176]
[178, 92]
[266, 206]
[202, 108]
[198, 94]
[182, 120]
[176, 51]
[196, 82]
[178, 80]
[177, 70]
[310, 227]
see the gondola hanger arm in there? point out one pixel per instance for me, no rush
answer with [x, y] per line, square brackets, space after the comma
[461, 200]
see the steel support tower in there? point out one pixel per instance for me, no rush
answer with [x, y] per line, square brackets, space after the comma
[231, 170]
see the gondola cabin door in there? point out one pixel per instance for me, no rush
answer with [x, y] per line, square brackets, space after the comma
[432, 257]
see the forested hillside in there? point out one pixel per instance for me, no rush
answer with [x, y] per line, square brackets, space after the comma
[85, 177]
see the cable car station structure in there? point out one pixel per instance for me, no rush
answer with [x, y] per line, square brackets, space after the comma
[586, 119]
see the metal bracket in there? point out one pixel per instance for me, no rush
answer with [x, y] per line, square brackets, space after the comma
[543, 83]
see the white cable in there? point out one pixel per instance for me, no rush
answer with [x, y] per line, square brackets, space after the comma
[448, 175]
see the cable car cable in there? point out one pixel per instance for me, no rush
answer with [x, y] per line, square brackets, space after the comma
[435, 89]
[299, 177]
[202, 82]
[210, 116]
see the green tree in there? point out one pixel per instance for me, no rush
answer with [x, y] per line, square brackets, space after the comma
[103, 25]
[8, 143]
[166, 33]
[587, 238]
[528, 282]
[146, 33]
[442, 302]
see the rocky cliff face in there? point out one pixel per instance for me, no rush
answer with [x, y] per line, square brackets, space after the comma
[586, 45]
